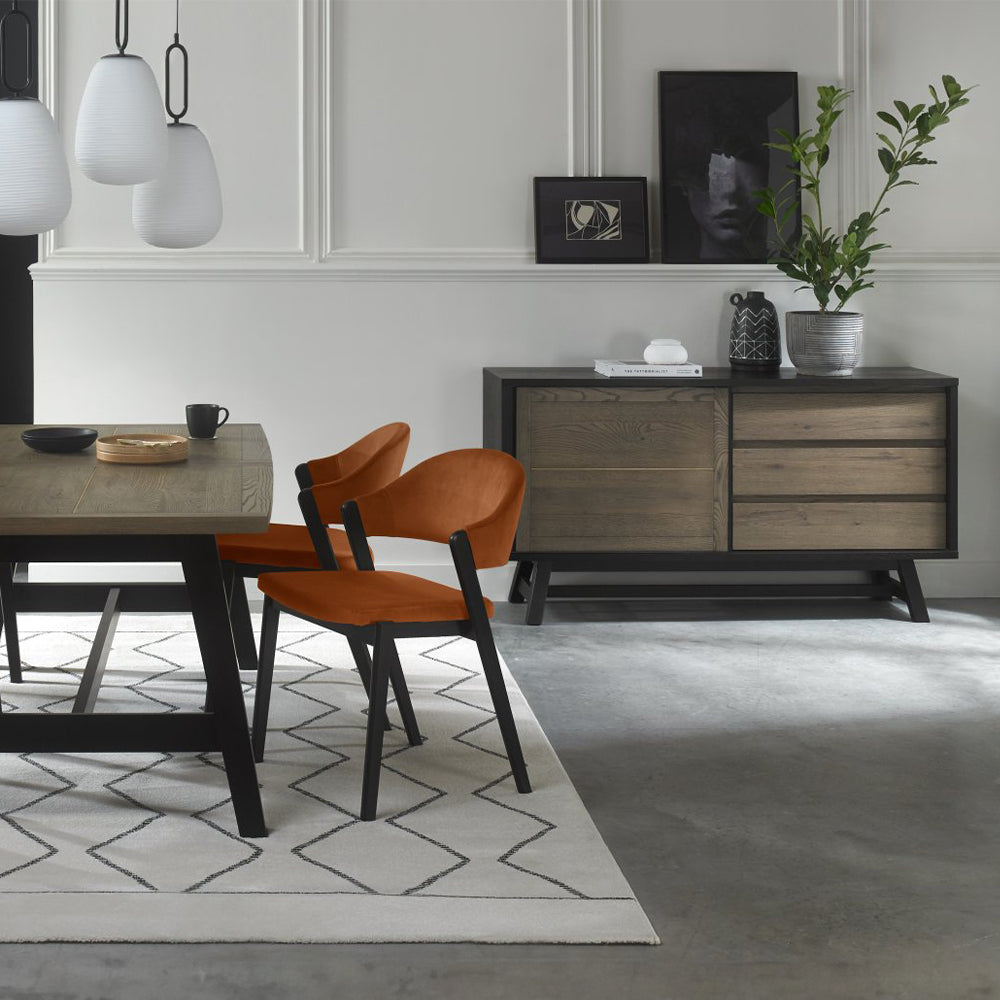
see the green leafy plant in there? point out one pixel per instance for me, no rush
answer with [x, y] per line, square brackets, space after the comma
[836, 266]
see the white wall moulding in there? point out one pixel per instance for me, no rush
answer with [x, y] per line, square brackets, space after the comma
[914, 42]
[394, 164]
[391, 268]
[857, 153]
[586, 96]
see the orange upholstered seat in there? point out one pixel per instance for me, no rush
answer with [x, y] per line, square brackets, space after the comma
[470, 500]
[360, 468]
[353, 597]
[283, 545]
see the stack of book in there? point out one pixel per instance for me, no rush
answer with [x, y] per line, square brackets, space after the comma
[631, 369]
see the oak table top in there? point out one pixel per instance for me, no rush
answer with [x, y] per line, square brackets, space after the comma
[225, 485]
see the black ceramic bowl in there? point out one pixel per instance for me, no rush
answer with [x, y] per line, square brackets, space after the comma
[59, 438]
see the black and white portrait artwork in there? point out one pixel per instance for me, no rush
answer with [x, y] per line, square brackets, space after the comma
[713, 130]
[593, 220]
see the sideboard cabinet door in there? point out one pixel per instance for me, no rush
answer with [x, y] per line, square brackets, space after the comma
[624, 470]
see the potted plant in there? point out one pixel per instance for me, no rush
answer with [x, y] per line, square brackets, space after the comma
[837, 267]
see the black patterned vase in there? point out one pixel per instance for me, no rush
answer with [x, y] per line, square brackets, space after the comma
[754, 338]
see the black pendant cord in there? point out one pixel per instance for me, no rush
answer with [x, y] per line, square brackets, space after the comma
[121, 25]
[176, 115]
[14, 13]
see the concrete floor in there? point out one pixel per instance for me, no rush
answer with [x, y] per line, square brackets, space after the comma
[805, 798]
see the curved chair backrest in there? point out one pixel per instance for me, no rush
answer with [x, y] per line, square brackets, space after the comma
[477, 490]
[362, 467]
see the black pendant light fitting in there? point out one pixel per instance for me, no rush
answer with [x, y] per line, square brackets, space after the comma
[176, 45]
[15, 13]
[121, 26]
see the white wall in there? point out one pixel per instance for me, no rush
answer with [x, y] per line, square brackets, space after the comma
[376, 160]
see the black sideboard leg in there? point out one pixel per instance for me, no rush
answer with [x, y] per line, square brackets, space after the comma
[522, 574]
[911, 591]
[536, 597]
[881, 578]
[9, 621]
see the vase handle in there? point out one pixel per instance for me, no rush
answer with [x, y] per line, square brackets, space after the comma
[736, 299]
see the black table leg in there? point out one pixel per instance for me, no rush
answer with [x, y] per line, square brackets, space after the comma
[8, 620]
[203, 575]
[93, 673]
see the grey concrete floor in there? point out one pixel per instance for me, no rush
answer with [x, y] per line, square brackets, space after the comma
[805, 798]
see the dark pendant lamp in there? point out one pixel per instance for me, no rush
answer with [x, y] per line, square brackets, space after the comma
[35, 194]
[182, 206]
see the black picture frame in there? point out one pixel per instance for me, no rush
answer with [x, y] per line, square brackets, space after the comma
[713, 127]
[591, 220]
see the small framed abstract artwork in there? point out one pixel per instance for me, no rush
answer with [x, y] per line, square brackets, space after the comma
[713, 130]
[591, 220]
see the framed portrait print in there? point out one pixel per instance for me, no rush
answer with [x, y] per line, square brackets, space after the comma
[591, 220]
[713, 127]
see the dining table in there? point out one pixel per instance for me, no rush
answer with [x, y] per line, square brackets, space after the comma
[73, 508]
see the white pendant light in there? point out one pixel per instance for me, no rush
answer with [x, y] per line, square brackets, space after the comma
[182, 207]
[121, 136]
[35, 193]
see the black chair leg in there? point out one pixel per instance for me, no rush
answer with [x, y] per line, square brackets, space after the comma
[363, 661]
[501, 704]
[381, 665]
[239, 615]
[402, 693]
[265, 674]
[8, 618]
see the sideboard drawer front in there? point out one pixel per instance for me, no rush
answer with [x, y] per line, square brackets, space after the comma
[622, 511]
[835, 471]
[841, 416]
[906, 525]
[617, 428]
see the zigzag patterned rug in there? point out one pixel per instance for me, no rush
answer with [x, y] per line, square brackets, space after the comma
[144, 847]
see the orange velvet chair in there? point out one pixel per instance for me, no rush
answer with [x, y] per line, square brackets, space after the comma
[366, 465]
[470, 499]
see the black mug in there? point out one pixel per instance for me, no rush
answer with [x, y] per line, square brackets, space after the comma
[203, 419]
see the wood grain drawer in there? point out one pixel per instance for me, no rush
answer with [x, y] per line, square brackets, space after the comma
[617, 428]
[841, 416]
[836, 471]
[822, 525]
[626, 511]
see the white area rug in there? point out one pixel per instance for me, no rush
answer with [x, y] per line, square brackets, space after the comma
[144, 847]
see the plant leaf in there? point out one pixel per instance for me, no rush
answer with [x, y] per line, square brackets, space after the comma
[890, 120]
[887, 160]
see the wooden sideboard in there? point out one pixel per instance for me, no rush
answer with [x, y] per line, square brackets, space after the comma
[730, 471]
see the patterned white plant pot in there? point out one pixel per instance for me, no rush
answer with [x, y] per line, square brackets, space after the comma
[824, 343]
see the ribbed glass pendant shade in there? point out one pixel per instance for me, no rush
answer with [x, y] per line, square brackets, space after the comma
[183, 206]
[121, 134]
[34, 180]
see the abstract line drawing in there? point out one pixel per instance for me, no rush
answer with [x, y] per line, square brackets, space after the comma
[593, 219]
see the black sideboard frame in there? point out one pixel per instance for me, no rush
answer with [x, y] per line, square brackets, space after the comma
[532, 586]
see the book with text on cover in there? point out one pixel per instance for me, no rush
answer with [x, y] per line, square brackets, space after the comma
[632, 369]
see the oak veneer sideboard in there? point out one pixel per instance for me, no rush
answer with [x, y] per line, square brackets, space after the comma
[731, 471]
